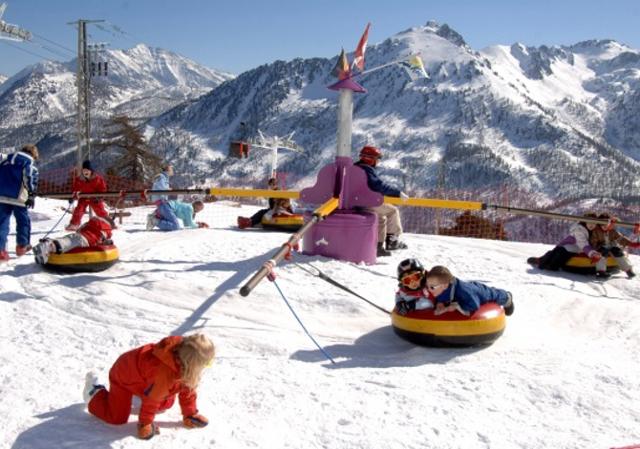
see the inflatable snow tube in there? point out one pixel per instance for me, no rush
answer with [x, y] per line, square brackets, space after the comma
[92, 259]
[425, 328]
[283, 222]
[582, 264]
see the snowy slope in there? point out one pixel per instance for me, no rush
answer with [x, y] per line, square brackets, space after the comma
[563, 375]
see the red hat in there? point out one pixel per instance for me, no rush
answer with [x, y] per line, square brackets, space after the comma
[370, 155]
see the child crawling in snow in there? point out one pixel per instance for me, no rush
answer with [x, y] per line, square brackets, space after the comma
[156, 373]
[412, 294]
[451, 293]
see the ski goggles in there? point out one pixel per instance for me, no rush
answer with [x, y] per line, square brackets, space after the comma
[411, 278]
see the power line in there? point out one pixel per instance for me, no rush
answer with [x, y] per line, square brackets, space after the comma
[26, 51]
[55, 43]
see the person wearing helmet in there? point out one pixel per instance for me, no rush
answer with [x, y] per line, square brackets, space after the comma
[412, 294]
[389, 225]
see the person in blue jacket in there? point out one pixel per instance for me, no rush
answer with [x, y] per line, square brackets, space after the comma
[169, 214]
[18, 185]
[389, 224]
[161, 182]
[451, 293]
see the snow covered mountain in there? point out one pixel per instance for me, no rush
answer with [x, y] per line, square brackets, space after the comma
[552, 119]
[39, 102]
[3, 78]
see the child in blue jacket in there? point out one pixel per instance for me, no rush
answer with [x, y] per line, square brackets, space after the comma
[451, 293]
[169, 214]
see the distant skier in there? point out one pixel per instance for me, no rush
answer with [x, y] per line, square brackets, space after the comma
[155, 373]
[451, 293]
[95, 232]
[413, 294]
[573, 244]
[87, 182]
[18, 185]
[389, 224]
[169, 214]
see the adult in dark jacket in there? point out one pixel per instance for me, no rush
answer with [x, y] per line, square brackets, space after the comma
[256, 219]
[18, 185]
[389, 224]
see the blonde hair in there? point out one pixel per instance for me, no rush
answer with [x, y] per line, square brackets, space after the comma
[441, 273]
[195, 352]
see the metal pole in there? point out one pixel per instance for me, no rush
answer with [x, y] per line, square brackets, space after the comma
[345, 118]
[268, 266]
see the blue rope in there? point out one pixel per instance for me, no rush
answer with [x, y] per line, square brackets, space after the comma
[302, 325]
[58, 222]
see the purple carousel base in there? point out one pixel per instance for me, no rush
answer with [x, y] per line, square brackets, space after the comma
[344, 235]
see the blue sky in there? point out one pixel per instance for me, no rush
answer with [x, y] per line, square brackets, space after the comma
[236, 35]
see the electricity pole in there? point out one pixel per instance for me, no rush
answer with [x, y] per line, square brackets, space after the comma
[83, 124]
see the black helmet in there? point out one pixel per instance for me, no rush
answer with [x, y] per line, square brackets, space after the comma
[409, 265]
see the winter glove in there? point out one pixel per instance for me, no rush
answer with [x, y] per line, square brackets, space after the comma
[405, 307]
[594, 256]
[202, 224]
[195, 421]
[636, 229]
[611, 224]
[404, 196]
[147, 431]
[31, 201]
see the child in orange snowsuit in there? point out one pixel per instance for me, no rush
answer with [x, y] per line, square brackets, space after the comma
[156, 373]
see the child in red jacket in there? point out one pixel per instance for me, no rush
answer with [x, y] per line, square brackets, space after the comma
[156, 373]
[89, 182]
[97, 231]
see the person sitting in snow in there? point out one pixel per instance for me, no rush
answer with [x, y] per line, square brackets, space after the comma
[573, 244]
[607, 240]
[281, 207]
[155, 373]
[412, 294]
[389, 224]
[451, 293]
[169, 214]
[95, 232]
[88, 182]
[256, 219]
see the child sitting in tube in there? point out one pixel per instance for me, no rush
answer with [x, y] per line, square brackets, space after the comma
[281, 207]
[97, 231]
[452, 294]
[412, 294]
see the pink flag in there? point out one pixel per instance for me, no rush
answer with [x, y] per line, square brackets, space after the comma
[358, 59]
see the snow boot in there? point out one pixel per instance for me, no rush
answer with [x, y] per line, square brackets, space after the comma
[91, 387]
[244, 222]
[4, 256]
[393, 243]
[509, 306]
[533, 261]
[21, 250]
[152, 221]
[381, 251]
[630, 273]
[42, 250]
[603, 275]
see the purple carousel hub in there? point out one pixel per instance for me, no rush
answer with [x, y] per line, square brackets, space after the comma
[344, 235]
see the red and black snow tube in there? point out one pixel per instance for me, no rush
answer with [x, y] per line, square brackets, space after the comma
[90, 259]
[425, 328]
[583, 265]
